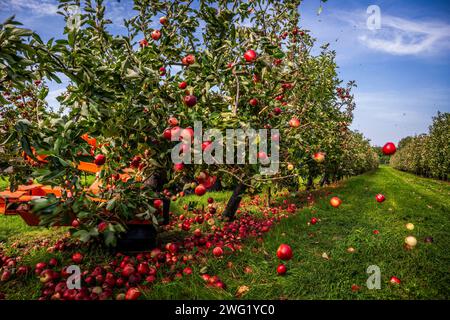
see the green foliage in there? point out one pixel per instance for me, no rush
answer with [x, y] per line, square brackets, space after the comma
[119, 95]
[428, 154]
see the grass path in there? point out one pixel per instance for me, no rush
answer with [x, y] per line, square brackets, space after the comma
[424, 271]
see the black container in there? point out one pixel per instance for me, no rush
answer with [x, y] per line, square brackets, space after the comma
[138, 238]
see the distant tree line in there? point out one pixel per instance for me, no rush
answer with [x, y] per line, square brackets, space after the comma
[427, 155]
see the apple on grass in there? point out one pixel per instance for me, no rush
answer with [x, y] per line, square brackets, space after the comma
[335, 202]
[380, 198]
[200, 190]
[394, 280]
[284, 252]
[281, 269]
[77, 257]
[294, 122]
[132, 294]
[217, 251]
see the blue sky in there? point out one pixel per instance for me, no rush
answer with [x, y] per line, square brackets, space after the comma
[402, 70]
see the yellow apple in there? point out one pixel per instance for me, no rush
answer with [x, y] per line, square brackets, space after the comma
[411, 241]
[409, 226]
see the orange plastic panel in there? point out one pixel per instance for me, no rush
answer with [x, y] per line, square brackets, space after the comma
[2, 206]
[48, 189]
[88, 167]
[29, 187]
[11, 195]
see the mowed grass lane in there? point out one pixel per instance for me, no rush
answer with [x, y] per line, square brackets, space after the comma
[424, 271]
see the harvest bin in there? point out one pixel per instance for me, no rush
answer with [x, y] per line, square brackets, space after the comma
[139, 237]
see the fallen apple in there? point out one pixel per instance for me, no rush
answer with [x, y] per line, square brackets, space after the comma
[281, 269]
[411, 241]
[335, 202]
[284, 252]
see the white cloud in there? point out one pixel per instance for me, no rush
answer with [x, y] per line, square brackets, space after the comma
[35, 7]
[51, 97]
[400, 36]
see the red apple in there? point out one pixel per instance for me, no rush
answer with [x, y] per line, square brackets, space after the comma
[253, 102]
[163, 20]
[335, 202]
[294, 122]
[143, 268]
[380, 198]
[157, 203]
[217, 251]
[6, 275]
[75, 223]
[132, 294]
[313, 220]
[284, 252]
[167, 134]
[200, 190]
[262, 155]
[187, 271]
[394, 280]
[389, 149]
[53, 262]
[182, 85]
[190, 59]
[128, 270]
[187, 134]
[172, 121]
[319, 157]
[250, 56]
[162, 71]
[277, 111]
[102, 226]
[77, 257]
[178, 166]
[40, 265]
[190, 100]
[156, 34]
[197, 233]
[100, 159]
[281, 269]
[143, 43]
[207, 145]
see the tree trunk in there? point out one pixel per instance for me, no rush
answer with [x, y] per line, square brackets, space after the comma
[269, 196]
[324, 180]
[235, 200]
[166, 209]
[309, 184]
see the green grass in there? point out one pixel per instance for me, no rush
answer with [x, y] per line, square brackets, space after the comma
[424, 271]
